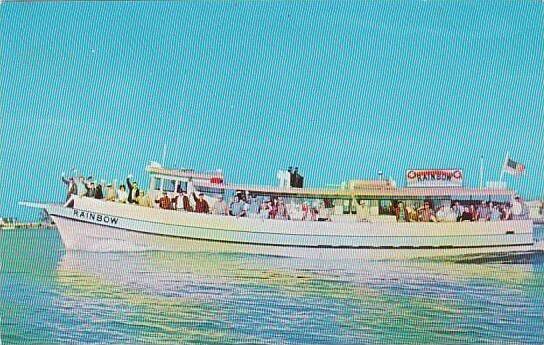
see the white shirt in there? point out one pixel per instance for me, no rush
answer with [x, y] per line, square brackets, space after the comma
[517, 209]
[122, 195]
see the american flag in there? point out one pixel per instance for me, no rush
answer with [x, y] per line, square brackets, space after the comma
[513, 168]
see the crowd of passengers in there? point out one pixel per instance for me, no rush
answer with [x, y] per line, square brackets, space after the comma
[243, 204]
[484, 211]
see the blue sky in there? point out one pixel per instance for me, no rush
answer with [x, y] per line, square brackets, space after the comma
[340, 89]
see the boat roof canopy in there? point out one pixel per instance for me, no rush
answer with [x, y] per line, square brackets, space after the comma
[399, 193]
[183, 173]
[373, 189]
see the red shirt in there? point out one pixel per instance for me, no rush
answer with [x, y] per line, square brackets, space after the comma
[165, 203]
[201, 206]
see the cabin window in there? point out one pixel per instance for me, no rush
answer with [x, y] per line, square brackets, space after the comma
[368, 204]
[182, 187]
[338, 206]
[155, 184]
[214, 192]
[168, 185]
[386, 207]
[411, 203]
[373, 206]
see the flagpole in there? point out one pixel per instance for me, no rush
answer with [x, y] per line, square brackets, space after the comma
[503, 165]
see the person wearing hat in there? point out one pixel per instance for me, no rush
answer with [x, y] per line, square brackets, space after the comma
[220, 207]
[164, 202]
[133, 190]
[186, 202]
[201, 205]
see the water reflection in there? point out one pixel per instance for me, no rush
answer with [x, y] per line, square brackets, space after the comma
[230, 298]
[160, 297]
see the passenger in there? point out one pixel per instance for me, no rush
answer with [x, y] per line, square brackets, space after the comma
[98, 193]
[186, 202]
[174, 200]
[401, 213]
[506, 212]
[246, 197]
[467, 215]
[72, 186]
[458, 210]
[80, 184]
[133, 190]
[144, 199]
[427, 213]
[253, 207]
[305, 210]
[314, 210]
[91, 190]
[283, 211]
[519, 209]
[122, 195]
[264, 212]
[362, 212]
[495, 215]
[412, 214]
[323, 212]
[474, 213]
[483, 213]
[190, 187]
[451, 216]
[441, 214]
[164, 202]
[110, 192]
[220, 207]
[237, 207]
[201, 205]
[273, 208]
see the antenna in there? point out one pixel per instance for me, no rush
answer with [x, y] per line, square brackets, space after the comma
[163, 154]
[481, 184]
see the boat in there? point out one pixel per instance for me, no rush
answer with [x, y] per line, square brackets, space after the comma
[96, 225]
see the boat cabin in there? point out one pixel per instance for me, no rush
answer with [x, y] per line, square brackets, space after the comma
[380, 196]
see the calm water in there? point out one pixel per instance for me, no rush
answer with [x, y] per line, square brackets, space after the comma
[49, 296]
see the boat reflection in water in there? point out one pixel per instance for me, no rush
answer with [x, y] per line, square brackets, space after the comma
[188, 296]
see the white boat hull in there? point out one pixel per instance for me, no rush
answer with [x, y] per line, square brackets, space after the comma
[95, 225]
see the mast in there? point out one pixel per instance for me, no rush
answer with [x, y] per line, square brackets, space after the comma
[163, 154]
